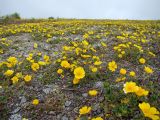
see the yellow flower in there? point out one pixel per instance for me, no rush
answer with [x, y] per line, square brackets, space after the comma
[59, 71]
[92, 92]
[58, 60]
[120, 55]
[85, 56]
[130, 87]
[9, 65]
[103, 44]
[76, 81]
[12, 61]
[94, 69]
[14, 79]
[132, 73]
[85, 35]
[19, 74]
[148, 70]
[35, 102]
[112, 66]
[79, 73]
[66, 48]
[35, 66]
[141, 92]
[97, 63]
[123, 52]
[41, 63]
[28, 78]
[120, 79]
[97, 118]
[39, 53]
[30, 55]
[9, 72]
[142, 60]
[24, 119]
[84, 110]
[65, 64]
[77, 50]
[149, 111]
[29, 58]
[46, 58]
[85, 43]
[35, 45]
[123, 71]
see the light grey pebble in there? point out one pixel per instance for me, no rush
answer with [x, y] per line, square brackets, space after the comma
[15, 117]
[98, 84]
[85, 94]
[64, 118]
[96, 107]
[16, 110]
[47, 90]
[101, 99]
[76, 110]
[52, 113]
[59, 116]
[23, 100]
[68, 103]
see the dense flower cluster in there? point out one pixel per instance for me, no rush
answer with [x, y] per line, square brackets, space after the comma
[131, 87]
[123, 54]
[149, 111]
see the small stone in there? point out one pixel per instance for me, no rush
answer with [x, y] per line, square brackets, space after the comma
[46, 47]
[98, 84]
[64, 118]
[71, 118]
[85, 94]
[40, 97]
[52, 113]
[23, 100]
[101, 99]
[15, 117]
[16, 110]
[68, 103]
[1, 89]
[95, 107]
[54, 38]
[76, 110]
[47, 90]
[59, 116]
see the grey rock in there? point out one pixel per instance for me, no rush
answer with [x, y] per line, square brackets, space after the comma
[54, 37]
[15, 117]
[46, 47]
[64, 118]
[96, 107]
[68, 103]
[47, 90]
[85, 95]
[59, 116]
[98, 84]
[71, 118]
[101, 99]
[53, 87]
[52, 113]
[23, 100]
[1, 90]
[76, 110]
[16, 110]
[41, 97]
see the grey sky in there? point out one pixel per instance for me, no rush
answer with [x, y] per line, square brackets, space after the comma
[111, 9]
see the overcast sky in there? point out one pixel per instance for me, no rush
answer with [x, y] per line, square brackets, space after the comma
[107, 9]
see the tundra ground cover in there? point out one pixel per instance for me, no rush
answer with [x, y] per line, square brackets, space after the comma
[80, 69]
